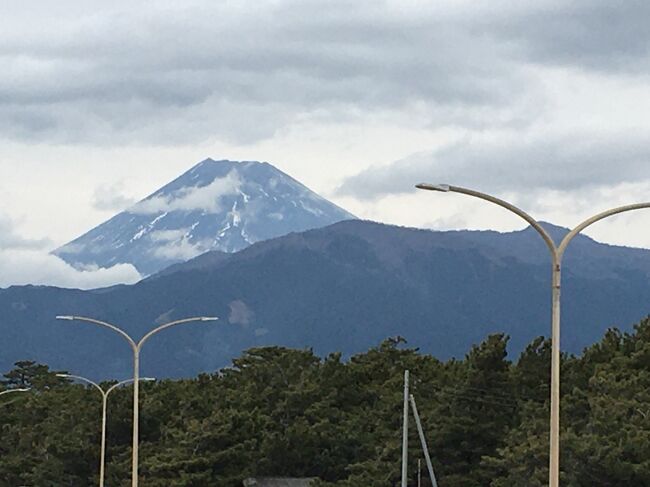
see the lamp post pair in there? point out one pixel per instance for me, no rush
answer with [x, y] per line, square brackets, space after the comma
[557, 253]
[105, 394]
[136, 348]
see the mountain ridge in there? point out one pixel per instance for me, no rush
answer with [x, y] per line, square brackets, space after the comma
[528, 245]
[344, 287]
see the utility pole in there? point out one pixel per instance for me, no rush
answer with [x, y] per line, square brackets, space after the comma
[405, 429]
[423, 440]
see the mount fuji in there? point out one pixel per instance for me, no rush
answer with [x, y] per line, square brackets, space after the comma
[217, 205]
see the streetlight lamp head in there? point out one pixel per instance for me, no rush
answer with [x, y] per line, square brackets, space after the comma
[434, 187]
[148, 379]
[209, 318]
[65, 317]
[62, 375]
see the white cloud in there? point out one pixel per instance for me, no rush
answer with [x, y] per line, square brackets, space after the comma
[168, 235]
[175, 244]
[27, 261]
[240, 313]
[204, 198]
[20, 267]
[111, 198]
[180, 250]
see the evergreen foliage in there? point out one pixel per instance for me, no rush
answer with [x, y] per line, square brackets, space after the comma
[285, 412]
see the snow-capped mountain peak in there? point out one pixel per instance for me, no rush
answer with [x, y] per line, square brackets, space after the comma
[216, 205]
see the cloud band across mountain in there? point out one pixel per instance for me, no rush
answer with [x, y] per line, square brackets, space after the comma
[206, 198]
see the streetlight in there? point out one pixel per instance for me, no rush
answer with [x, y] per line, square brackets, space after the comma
[136, 347]
[557, 252]
[13, 390]
[104, 394]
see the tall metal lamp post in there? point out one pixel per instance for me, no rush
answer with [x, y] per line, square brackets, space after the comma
[105, 394]
[557, 252]
[136, 347]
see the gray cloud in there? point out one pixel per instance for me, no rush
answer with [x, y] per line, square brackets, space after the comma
[10, 239]
[518, 163]
[168, 73]
[111, 198]
[599, 35]
[219, 70]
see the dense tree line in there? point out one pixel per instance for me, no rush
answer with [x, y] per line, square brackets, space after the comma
[286, 412]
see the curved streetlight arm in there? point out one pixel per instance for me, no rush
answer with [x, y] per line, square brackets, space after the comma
[170, 324]
[128, 381]
[8, 391]
[504, 204]
[82, 379]
[124, 334]
[554, 456]
[97, 386]
[557, 251]
[590, 221]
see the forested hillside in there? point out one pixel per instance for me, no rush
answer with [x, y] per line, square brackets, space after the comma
[286, 412]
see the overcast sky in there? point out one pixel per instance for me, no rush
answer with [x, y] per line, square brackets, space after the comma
[544, 103]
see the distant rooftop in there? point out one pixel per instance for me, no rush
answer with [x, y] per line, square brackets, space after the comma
[277, 482]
